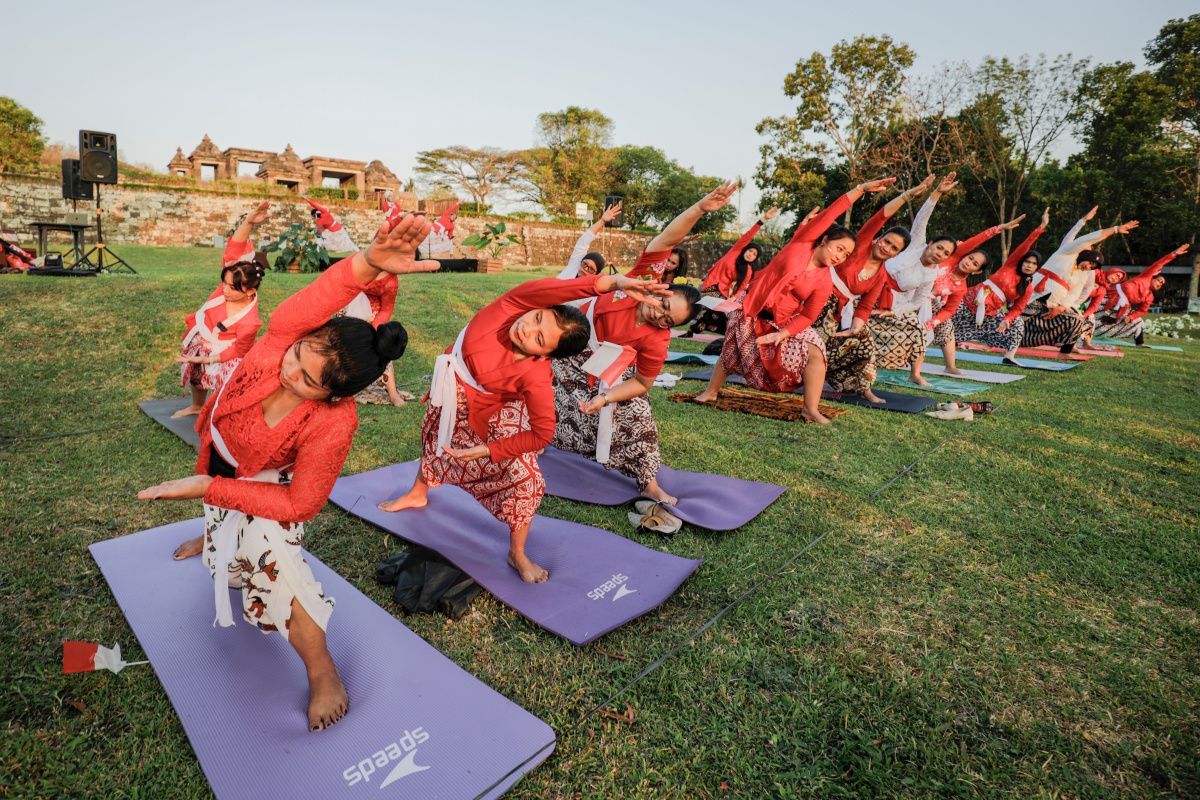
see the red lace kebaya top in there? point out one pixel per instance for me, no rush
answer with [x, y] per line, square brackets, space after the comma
[723, 274]
[315, 437]
[949, 287]
[242, 333]
[381, 293]
[1007, 279]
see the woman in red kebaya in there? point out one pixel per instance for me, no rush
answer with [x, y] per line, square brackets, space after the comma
[770, 341]
[221, 332]
[1128, 301]
[272, 443]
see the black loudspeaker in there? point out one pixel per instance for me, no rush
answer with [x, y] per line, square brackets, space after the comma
[73, 188]
[98, 157]
[619, 220]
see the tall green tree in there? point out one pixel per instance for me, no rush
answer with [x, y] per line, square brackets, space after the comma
[478, 172]
[570, 162]
[844, 99]
[657, 189]
[21, 139]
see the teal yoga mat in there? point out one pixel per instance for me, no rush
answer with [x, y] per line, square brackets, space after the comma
[1170, 348]
[936, 384]
[1027, 363]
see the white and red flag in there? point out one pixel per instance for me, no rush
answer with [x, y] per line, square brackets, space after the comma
[88, 657]
[609, 362]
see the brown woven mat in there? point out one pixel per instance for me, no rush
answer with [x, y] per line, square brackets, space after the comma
[774, 406]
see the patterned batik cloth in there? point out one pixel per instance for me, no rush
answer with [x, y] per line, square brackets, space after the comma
[965, 330]
[741, 355]
[1067, 328]
[851, 359]
[270, 569]
[205, 376]
[1113, 328]
[634, 449]
[511, 490]
[899, 339]
[943, 334]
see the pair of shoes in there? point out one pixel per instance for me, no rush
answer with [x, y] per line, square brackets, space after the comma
[652, 516]
[952, 411]
[666, 380]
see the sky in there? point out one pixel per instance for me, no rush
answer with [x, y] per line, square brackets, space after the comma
[378, 80]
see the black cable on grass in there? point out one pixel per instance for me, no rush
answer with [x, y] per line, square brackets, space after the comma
[732, 604]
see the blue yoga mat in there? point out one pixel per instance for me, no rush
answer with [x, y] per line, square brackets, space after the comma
[902, 403]
[1130, 343]
[598, 580]
[1026, 363]
[418, 725]
[675, 357]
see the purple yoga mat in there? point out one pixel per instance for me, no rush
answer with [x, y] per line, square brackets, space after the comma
[415, 717]
[715, 502]
[598, 580]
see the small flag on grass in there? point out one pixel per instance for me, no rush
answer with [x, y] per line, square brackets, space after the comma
[88, 657]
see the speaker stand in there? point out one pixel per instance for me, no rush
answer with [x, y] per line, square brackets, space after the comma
[101, 251]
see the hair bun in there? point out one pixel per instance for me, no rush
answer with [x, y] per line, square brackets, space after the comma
[391, 339]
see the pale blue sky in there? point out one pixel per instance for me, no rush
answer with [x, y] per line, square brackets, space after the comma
[386, 80]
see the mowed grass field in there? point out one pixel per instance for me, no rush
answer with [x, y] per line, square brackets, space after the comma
[1015, 616]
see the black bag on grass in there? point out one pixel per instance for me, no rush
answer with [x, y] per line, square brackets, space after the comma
[426, 582]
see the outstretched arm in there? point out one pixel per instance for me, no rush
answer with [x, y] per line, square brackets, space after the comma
[1076, 228]
[239, 245]
[721, 269]
[1018, 255]
[679, 227]
[584, 243]
[976, 241]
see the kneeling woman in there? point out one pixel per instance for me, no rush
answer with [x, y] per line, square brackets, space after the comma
[729, 278]
[1128, 301]
[615, 424]
[222, 331]
[491, 406]
[770, 340]
[272, 443]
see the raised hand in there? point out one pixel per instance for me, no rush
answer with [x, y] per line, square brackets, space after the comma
[1045, 219]
[948, 183]
[877, 185]
[772, 212]
[923, 186]
[639, 290]
[395, 245]
[811, 215]
[612, 212]
[260, 214]
[1126, 227]
[1008, 226]
[192, 487]
[1183, 248]
[1091, 213]
[719, 197]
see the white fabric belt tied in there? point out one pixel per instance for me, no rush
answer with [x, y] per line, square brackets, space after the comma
[216, 344]
[1123, 301]
[448, 369]
[604, 426]
[847, 318]
[981, 300]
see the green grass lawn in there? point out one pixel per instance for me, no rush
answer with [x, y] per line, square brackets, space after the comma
[1016, 616]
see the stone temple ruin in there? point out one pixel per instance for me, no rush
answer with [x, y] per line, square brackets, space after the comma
[209, 163]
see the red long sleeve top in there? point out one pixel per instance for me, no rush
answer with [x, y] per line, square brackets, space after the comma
[315, 437]
[381, 293]
[616, 322]
[951, 288]
[868, 290]
[1137, 291]
[723, 274]
[1007, 279]
[445, 221]
[244, 331]
[787, 288]
[650, 264]
[488, 353]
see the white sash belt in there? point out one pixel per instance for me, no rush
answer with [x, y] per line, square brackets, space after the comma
[604, 427]
[847, 319]
[215, 343]
[448, 369]
[981, 300]
[1122, 301]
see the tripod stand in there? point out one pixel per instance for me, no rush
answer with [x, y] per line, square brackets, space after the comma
[101, 250]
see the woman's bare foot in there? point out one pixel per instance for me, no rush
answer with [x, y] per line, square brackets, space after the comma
[818, 417]
[953, 371]
[414, 499]
[190, 411]
[705, 397]
[656, 493]
[918, 380]
[529, 571]
[874, 398]
[191, 547]
[327, 699]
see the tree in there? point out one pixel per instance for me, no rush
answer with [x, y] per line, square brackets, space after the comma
[657, 189]
[570, 161]
[844, 101]
[1175, 53]
[21, 139]
[479, 173]
[1020, 110]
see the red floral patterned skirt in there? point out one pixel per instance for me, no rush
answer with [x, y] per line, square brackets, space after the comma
[511, 490]
[743, 356]
[205, 376]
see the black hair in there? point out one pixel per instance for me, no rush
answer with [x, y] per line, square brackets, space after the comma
[986, 260]
[741, 266]
[576, 331]
[692, 295]
[1023, 279]
[1090, 255]
[901, 231]
[834, 232]
[597, 259]
[936, 239]
[245, 276]
[356, 353]
[682, 270]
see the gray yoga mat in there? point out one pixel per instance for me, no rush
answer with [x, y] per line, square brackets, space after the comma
[1024, 363]
[716, 502]
[418, 725]
[981, 375]
[161, 410]
[674, 357]
[598, 580]
[1169, 348]
[900, 403]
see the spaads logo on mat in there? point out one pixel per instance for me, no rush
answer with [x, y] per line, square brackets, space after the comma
[404, 749]
[616, 583]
